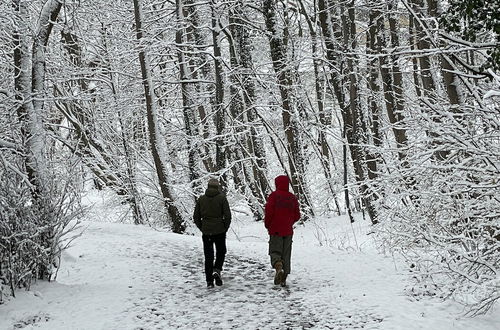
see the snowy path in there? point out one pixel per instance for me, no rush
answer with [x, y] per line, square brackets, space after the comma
[127, 277]
[247, 300]
[173, 294]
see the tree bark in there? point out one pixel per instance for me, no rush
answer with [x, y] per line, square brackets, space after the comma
[245, 172]
[218, 106]
[254, 142]
[354, 123]
[284, 76]
[133, 195]
[428, 82]
[324, 117]
[187, 90]
[92, 153]
[393, 90]
[450, 79]
[359, 127]
[374, 48]
[30, 93]
[30, 89]
[199, 77]
[178, 225]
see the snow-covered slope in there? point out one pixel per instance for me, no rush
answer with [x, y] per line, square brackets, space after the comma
[119, 276]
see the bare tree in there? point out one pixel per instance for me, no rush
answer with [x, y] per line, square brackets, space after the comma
[285, 78]
[29, 85]
[178, 225]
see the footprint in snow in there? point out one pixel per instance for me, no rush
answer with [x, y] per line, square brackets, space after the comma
[175, 296]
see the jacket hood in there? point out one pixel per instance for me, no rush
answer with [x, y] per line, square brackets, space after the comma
[282, 183]
[212, 191]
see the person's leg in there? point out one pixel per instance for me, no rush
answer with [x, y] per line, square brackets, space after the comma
[276, 253]
[287, 253]
[220, 254]
[275, 249]
[208, 250]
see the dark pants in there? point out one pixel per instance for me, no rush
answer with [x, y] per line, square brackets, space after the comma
[280, 249]
[208, 248]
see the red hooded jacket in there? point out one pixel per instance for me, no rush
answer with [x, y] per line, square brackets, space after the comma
[282, 209]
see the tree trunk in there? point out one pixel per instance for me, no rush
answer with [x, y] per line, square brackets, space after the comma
[30, 89]
[393, 90]
[428, 82]
[244, 171]
[218, 106]
[187, 90]
[88, 148]
[354, 123]
[254, 142]
[178, 225]
[133, 195]
[414, 60]
[450, 79]
[331, 37]
[30, 93]
[324, 116]
[284, 76]
[199, 77]
[357, 132]
[374, 48]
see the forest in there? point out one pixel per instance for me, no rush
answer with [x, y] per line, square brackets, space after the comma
[387, 108]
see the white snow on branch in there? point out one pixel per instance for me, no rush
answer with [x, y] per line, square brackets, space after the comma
[491, 93]
[7, 144]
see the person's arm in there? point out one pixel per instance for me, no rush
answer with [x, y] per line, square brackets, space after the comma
[197, 215]
[227, 213]
[297, 210]
[269, 211]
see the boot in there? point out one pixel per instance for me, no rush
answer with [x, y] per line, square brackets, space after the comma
[283, 280]
[217, 277]
[278, 266]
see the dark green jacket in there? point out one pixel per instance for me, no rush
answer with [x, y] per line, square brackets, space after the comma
[211, 213]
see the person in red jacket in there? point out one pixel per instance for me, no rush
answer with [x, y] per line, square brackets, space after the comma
[281, 212]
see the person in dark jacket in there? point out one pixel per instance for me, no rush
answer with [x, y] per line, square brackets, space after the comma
[281, 212]
[212, 216]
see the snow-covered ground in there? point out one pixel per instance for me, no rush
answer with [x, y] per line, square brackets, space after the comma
[120, 276]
